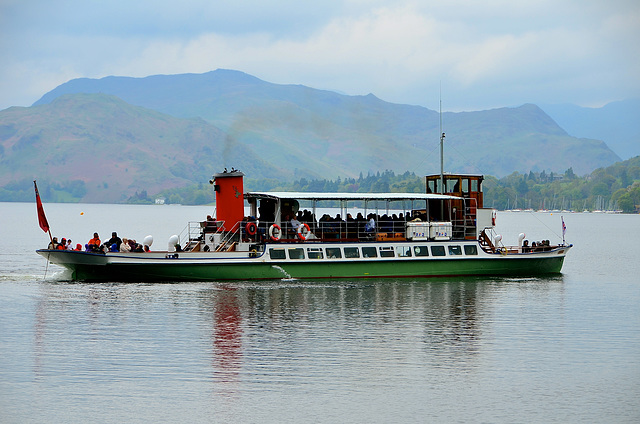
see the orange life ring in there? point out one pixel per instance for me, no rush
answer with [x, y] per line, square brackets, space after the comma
[275, 232]
[303, 234]
[251, 228]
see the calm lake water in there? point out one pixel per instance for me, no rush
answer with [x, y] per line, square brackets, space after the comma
[556, 349]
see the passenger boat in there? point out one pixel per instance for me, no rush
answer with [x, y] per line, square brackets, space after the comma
[445, 231]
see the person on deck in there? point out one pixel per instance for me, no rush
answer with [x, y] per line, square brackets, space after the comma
[94, 243]
[371, 224]
[295, 223]
[53, 244]
[209, 225]
[124, 246]
[114, 240]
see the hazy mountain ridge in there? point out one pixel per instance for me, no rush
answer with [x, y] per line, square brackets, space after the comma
[375, 134]
[113, 147]
[617, 123]
[174, 130]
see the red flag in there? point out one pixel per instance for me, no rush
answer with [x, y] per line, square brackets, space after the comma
[42, 219]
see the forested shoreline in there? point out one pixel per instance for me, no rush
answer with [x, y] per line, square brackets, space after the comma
[614, 188]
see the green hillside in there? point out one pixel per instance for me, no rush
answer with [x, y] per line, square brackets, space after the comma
[117, 138]
[98, 148]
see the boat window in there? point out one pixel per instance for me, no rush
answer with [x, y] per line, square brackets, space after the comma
[455, 250]
[276, 253]
[334, 252]
[470, 249]
[453, 185]
[369, 252]
[421, 250]
[387, 252]
[403, 251]
[465, 185]
[431, 187]
[314, 253]
[474, 185]
[351, 252]
[296, 253]
[437, 251]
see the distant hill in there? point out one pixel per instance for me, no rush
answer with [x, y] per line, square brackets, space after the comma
[113, 149]
[119, 135]
[616, 123]
[334, 134]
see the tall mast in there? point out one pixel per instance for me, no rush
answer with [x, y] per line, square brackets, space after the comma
[441, 147]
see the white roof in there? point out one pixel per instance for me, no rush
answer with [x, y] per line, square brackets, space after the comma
[349, 196]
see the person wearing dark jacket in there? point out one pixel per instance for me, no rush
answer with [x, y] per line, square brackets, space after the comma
[114, 239]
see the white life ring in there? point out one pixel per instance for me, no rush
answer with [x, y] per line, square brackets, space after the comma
[275, 232]
[303, 231]
[493, 218]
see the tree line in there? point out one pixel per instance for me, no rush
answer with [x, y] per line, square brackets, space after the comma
[616, 187]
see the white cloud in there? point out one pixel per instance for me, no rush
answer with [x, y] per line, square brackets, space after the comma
[486, 54]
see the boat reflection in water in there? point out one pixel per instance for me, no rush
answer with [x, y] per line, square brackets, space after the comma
[227, 337]
[234, 340]
[285, 331]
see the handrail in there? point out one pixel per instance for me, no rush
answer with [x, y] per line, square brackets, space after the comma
[191, 235]
[229, 235]
[335, 230]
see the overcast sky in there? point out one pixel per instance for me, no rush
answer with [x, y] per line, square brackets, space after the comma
[484, 54]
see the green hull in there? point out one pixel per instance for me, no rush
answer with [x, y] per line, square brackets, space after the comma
[258, 270]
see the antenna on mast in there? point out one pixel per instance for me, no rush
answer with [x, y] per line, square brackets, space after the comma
[441, 146]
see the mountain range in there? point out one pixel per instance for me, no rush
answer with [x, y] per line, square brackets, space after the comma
[120, 135]
[616, 123]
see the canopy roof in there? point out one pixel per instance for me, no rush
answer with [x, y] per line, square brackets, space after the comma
[348, 196]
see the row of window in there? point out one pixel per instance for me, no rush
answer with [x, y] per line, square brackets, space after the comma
[371, 251]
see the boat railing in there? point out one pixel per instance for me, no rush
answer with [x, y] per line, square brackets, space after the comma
[322, 230]
[192, 234]
[351, 230]
[491, 242]
[229, 238]
[197, 233]
[464, 228]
